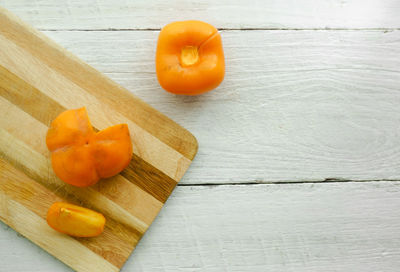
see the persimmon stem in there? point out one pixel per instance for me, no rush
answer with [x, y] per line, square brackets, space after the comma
[209, 38]
[189, 55]
[65, 212]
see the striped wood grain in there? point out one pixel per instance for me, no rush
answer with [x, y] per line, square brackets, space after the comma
[38, 80]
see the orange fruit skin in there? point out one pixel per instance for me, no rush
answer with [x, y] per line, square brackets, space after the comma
[81, 156]
[204, 75]
[75, 220]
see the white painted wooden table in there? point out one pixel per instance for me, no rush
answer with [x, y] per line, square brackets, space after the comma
[299, 160]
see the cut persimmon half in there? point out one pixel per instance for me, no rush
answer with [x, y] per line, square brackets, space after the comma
[80, 156]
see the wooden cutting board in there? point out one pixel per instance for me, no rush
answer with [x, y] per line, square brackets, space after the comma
[38, 80]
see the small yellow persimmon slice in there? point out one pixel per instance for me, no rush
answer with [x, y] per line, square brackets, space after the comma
[75, 220]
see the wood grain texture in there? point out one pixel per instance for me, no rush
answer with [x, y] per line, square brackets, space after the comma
[121, 14]
[278, 227]
[294, 105]
[38, 80]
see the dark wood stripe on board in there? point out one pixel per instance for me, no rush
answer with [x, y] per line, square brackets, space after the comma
[149, 178]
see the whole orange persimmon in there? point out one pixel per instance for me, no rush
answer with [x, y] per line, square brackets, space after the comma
[81, 156]
[189, 58]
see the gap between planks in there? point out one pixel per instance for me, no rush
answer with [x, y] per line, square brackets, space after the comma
[261, 182]
[229, 29]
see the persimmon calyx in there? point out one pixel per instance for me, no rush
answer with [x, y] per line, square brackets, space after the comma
[189, 55]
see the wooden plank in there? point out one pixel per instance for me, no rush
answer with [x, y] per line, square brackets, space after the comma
[294, 105]
[38, 80]
[121, 14]
[298, 227]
